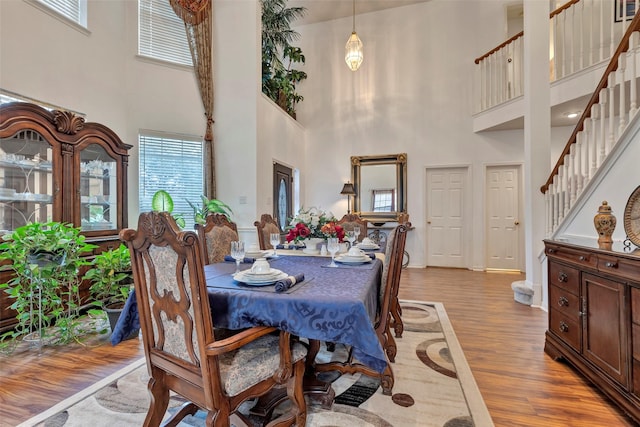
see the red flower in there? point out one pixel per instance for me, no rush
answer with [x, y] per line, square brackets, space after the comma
[303, 230]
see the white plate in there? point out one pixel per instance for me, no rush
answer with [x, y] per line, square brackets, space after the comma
[354, 257]
[258, 254]
[271, 272]
[310, 251]
[240, 277]
[363, 246]
[352, 261]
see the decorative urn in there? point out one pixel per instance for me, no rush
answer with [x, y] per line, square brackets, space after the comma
[605, 223]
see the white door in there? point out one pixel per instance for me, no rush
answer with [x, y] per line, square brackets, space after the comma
[503, 213]
[446, 223]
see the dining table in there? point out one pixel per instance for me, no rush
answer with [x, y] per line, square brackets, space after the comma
[332, 304]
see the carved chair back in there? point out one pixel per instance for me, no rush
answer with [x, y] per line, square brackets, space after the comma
[350, 220]
[265, 227]
[216, 235]
[181, 351]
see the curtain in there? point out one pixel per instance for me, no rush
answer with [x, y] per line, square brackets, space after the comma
[198, 16]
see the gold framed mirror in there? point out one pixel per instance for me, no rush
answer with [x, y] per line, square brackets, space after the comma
[380, 183]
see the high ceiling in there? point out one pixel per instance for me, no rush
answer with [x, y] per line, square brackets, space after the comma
[326, 10]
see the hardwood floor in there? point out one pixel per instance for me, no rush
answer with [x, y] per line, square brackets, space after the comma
[502, 340]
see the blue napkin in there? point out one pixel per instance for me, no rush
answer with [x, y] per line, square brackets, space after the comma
[287, 283]
[247, 260]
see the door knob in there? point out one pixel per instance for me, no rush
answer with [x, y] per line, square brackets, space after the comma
[428, 222]
[516, 222]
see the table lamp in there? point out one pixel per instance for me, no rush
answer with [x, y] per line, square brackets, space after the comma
[349, 191]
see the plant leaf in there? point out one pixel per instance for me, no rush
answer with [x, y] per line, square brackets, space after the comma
[162, 202]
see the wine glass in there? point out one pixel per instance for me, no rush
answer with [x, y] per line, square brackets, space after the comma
[350, 235]
[333, 246]
[356, 231]
[274, 239]
[237, 253]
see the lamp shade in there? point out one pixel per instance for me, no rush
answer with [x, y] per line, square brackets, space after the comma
[348, 189]
[353, 54]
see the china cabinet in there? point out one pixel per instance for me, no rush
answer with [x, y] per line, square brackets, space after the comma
[594, 317]
[56, 167]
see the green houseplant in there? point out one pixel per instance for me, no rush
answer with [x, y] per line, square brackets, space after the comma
[45, 262]
[110, 277]
[209, 206]
[279, 81]
[111, 282]
[163, 202]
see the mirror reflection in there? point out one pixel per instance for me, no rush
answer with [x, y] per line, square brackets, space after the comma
[380, 185]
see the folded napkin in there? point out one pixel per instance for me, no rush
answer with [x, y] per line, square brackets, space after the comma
[246, 260]
[288, 282]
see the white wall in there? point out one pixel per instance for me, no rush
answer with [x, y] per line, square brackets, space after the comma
[99, 74]
[413, 94]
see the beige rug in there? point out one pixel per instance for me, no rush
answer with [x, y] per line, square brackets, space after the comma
[430, 367]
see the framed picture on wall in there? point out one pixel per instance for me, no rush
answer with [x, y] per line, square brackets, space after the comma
[624, 9]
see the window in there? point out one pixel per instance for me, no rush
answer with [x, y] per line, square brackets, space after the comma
[383, 201]
[74, 10]
[161, 34]
[173, 164]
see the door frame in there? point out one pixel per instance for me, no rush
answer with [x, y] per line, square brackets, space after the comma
[468, 210]
[485, 222]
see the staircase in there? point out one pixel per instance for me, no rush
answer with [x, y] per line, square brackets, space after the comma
[584, 34]
[605, 130]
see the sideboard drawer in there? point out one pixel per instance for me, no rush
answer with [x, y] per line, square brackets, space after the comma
[575, 256]
[565, 327]
[564, 301]
[620, 267]
[565, 277]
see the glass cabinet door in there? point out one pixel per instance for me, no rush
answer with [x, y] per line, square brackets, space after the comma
[98, 189]
[26, 180]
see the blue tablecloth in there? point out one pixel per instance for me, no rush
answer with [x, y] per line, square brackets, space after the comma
[336, 305]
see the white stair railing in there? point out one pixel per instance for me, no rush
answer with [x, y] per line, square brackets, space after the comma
[602, 123]
[583, 33]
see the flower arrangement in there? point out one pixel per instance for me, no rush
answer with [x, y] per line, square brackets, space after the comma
[311, 223]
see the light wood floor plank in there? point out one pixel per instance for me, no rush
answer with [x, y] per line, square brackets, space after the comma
[502, 340]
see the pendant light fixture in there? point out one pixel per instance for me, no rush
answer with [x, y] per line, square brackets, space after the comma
[353, 49]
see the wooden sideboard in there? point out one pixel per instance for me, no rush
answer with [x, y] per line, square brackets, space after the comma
[594, 317]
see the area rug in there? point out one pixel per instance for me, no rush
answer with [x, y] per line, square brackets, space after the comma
[433, 387]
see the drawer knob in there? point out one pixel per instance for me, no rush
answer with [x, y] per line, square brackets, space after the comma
[563, 301]
[564, 327]
[611, 264]
[551, 250]
[562, 277]
[582, 258]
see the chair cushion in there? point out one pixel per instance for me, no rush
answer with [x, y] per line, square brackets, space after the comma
[253, 363]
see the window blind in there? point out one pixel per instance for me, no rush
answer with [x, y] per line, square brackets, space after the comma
[75, 10]
[161, 34]
[174, 165]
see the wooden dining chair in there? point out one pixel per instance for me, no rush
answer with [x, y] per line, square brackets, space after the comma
[390, 280]
[396, 308]
[265, 227]
[216, 235]
[350, 220]
[182, 353]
